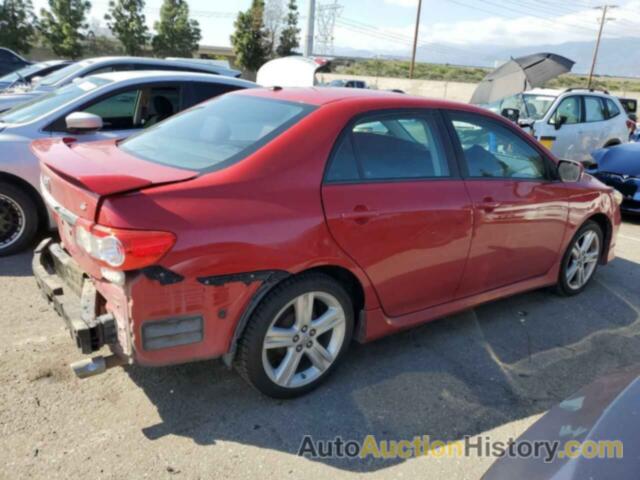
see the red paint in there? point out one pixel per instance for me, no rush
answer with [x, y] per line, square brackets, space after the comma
[420, 249]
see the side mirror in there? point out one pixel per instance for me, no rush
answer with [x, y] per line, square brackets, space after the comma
[560, 121]
[526, 123]
[512, 114]
[82, 122]
[570, 171]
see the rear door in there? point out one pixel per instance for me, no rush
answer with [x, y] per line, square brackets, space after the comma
[520, 210]
[395, 204]
[596, 128]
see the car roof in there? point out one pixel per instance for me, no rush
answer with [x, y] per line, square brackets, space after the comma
[551, 92]
[169, 75]
[184, 63]
[319, 96]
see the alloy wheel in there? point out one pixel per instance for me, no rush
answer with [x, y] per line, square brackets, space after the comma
[304, 339]
[12, 221]
[583, 260]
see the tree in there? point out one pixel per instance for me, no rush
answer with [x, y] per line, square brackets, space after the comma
[17, 22]
[289, 35]
[128, 24]
[273, 23]
[177, 35]
[64, 26]
[249, 40]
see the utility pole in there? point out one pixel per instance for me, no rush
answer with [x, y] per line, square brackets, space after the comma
[311, 23]
[605, 9]
[415, 40]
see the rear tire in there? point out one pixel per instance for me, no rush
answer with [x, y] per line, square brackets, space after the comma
[19, 219]
[296, 336]
[580, 261]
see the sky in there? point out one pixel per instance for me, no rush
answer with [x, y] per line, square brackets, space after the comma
[387, 25]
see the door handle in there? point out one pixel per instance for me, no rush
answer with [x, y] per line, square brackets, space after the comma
[489, 204]
[360, 214]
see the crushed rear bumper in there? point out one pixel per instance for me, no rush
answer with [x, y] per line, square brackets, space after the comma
[73, 296]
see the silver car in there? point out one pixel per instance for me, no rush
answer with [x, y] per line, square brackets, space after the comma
[99, 107]
[94, 66]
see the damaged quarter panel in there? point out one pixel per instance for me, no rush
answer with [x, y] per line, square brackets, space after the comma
[236, 234]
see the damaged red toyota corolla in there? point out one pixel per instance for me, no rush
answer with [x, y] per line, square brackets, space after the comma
[272, 227]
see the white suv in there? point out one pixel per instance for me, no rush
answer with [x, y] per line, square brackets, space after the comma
[571, 123]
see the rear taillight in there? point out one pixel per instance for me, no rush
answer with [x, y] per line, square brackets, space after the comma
[123, 249]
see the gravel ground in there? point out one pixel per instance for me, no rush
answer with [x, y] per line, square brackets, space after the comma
[489, 371]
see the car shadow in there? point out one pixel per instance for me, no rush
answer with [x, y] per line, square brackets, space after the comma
[18, 265]
[462, 375]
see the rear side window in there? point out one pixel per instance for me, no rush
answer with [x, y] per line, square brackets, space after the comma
[389, 147]
[216, 134]
[612, 109]
[594, 110]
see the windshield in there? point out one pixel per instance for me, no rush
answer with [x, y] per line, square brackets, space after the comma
[22, 73]
[530, 106]
[56, 77]
[215, 134]
[29, 111]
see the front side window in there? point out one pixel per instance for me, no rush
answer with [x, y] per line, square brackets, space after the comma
[118, 111]
[216, 134]
[594, 109]
[570, 108]
[389, 147]
[491, 150]
[537, 106]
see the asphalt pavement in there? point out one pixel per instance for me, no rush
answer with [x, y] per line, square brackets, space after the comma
[491, 371]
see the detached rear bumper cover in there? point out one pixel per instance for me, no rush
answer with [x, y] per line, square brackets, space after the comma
[73, 297]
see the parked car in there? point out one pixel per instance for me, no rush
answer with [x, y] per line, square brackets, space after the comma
[604, 411]
[93, 66]
[348, 84]
[271, 226]
[619, 167]
[109, 105]
[10, 61]
[571, 123]
[36, 71]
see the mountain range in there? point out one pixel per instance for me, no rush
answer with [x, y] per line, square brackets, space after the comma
[618, 57]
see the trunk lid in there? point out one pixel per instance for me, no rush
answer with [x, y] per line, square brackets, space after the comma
[76, 176]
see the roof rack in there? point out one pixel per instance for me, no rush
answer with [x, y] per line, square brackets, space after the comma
[587, 89]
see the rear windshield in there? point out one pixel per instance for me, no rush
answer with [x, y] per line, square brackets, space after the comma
[215, 134]
[57, 77]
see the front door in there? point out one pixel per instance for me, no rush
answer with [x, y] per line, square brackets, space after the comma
[396, 206]
[520, 210]
[563, 134]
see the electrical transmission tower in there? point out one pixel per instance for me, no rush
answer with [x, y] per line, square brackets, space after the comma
[326, 16]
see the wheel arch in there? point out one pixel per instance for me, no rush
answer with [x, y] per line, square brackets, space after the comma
[33, 194]
[605, 225]
[343, 276]
[612, 142]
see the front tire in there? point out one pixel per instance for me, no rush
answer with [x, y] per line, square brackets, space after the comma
[19, 219]
[581, 259]
[296, 336]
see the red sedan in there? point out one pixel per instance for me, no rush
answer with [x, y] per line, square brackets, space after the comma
[272, 227]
